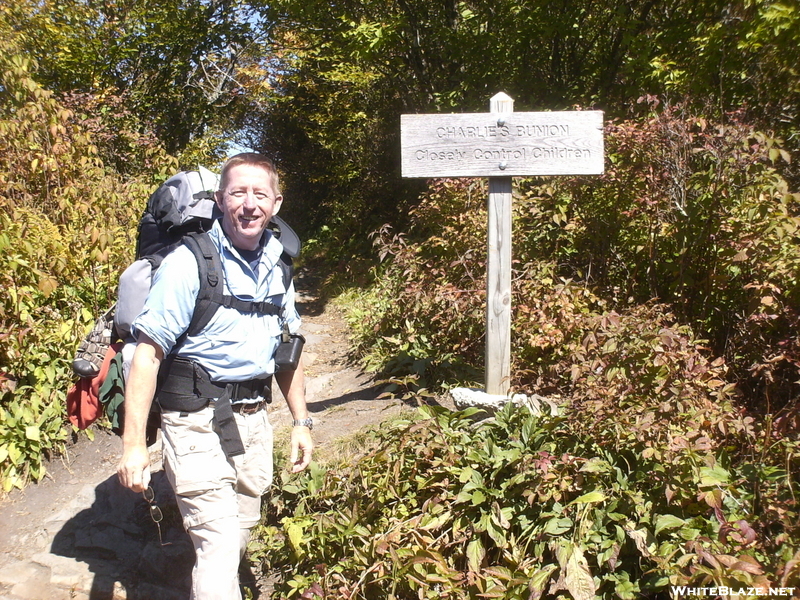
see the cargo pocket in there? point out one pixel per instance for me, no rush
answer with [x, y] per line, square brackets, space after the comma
[193, 458]
[255, 467]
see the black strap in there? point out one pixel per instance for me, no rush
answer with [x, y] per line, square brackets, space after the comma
[228, 431]
[249, 306]
[211, 296]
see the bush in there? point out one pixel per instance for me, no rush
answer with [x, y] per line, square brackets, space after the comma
[692, 214]
[659, 303]
[522, 506]
[424, 312]
[68, 227]
[689, 214]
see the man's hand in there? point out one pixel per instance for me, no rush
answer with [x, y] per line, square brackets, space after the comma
[134, 468]
[301, 443]
[292, 384]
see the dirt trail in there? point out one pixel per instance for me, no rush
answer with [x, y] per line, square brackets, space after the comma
[79, 535]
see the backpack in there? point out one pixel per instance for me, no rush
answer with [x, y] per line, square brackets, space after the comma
[180, 211]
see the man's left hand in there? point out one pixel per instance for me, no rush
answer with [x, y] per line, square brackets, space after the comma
[301, 448]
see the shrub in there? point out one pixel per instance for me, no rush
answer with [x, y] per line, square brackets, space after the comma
[67, 226]
[695, 215]
[424, 312]
[519, 506]
[689, 214]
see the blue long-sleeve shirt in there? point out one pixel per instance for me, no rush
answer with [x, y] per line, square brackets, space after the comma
[233, 346]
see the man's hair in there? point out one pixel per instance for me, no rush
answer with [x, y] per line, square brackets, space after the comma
[253, 159]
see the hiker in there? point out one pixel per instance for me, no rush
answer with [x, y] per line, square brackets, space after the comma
[217, 451]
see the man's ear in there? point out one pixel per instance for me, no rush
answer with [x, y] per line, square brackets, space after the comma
[218, 198]
[277, 205]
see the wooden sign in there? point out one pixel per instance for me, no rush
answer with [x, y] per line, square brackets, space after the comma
[499, 145]
[493, 145]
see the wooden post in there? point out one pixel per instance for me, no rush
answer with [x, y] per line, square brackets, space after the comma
[501, 144]
[498, 282]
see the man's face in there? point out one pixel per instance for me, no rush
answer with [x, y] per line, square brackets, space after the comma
[247, 204]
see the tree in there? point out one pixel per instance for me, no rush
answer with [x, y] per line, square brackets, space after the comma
[173, 63]
[345, 71]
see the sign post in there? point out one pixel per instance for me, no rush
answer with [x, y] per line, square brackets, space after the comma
[500, 145]
[498, 271]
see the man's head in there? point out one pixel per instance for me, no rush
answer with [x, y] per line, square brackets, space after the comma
[248, 196]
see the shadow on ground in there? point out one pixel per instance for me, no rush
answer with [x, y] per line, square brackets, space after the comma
[119, 541]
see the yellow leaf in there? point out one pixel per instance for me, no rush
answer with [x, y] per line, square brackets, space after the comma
[295, 533]
[47, 284]
[579, 579]
[32, 433]
[539, 580]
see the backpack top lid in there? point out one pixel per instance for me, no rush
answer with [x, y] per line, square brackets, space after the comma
[183, 203]
[185, 196]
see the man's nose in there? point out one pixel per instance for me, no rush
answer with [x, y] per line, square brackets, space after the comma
[250, 199]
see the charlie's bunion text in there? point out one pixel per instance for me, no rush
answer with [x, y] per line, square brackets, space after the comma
[490, 131]
[487, 145]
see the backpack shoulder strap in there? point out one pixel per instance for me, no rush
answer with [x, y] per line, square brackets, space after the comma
[210, 296]
[287, 269]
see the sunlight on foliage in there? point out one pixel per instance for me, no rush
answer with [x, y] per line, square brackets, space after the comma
[517, 506]
[67, 228]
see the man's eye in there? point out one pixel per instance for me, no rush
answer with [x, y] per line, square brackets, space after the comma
[238, 193]
[261, 196]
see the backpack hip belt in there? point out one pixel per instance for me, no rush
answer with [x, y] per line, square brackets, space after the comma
[185, 386]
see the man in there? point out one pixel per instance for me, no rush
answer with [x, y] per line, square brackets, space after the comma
[218, 471]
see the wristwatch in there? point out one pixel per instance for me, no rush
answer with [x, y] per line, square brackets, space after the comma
[303, 423]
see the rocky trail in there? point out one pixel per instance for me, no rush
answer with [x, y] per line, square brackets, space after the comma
[79, 535]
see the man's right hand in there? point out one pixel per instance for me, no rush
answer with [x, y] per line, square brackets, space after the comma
[134, 468]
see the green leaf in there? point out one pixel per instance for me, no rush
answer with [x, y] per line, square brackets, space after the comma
[557, 526]
[539, 581]
[32, 433]
[689, 533]
[478, 497]
[465, 475]
[14, 453]
[591, 497]
[668, 522]
[713, 476]
[475, 555]
[596, 465]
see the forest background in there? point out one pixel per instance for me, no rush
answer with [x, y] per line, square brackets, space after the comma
[661, 298]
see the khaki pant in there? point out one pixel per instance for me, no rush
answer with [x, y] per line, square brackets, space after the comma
[219, 497]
